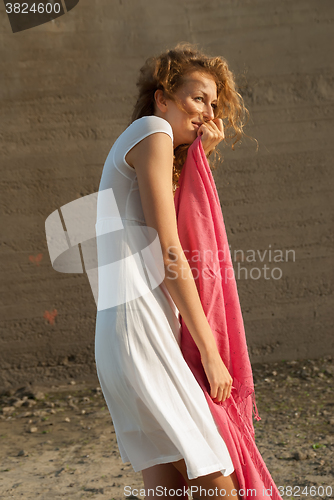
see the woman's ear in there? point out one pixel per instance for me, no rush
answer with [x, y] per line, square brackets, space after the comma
[160, 100]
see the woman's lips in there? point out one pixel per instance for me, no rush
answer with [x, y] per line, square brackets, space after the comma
[197, 125]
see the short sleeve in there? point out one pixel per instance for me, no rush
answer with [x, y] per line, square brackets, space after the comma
[137, 131]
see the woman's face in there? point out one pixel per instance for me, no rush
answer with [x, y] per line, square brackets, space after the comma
[198, 94]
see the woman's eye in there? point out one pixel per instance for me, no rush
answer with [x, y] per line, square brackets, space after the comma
[213, 105]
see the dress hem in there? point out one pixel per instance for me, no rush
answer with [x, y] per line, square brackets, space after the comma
[211, 470]
[198, 473]
[157, 461]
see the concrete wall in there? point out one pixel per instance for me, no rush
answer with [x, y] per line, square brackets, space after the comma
[67, 91]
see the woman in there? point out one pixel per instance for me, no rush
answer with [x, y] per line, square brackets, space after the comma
[162, 420]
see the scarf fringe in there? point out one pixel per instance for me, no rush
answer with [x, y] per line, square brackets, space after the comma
[254, 407]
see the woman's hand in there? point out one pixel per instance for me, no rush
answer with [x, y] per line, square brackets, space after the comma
[218, 376]
[212, 133]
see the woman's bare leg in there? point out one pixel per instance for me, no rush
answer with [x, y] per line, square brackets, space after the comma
[164, 476]
[215, 481]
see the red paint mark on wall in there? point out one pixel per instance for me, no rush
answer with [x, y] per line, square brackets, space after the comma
[50, 316]
[36, 259]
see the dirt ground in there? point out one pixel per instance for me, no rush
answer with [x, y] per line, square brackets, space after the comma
[59, 442]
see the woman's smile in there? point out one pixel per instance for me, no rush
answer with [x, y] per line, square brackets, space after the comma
[197, 97]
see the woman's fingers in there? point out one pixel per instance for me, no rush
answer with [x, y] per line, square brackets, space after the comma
[212, 132]
[219, 123]
[218, 377]
[217, 128]
[221, 393]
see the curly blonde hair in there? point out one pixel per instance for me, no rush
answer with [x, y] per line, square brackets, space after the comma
[166, 72]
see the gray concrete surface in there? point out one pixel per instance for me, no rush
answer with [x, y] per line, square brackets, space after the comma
[67, 91]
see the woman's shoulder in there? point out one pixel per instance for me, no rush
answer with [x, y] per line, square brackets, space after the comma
[135, 133]
[147, 125]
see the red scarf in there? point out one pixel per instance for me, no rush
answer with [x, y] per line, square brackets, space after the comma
[203, 238]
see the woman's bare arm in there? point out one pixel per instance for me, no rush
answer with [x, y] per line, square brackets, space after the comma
[152, 159]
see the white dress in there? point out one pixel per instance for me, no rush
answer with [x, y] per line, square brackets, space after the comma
[158, 409]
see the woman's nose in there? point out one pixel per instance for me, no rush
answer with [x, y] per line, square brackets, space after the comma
[209, 113]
